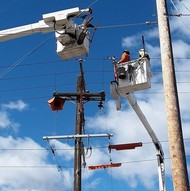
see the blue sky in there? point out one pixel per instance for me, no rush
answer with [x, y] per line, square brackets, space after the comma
[28, 81]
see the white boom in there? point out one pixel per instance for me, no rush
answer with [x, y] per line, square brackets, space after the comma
[129, 77]
[72, 39]
[160, 153]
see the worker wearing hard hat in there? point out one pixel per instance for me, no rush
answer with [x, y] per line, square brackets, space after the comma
[125, 57]
[121, 70]
[143, 54]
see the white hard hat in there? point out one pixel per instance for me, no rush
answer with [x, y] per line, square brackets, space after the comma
[141, 52]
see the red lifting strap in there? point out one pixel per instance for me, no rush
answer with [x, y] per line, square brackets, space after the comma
[104, 166]
[125, 146]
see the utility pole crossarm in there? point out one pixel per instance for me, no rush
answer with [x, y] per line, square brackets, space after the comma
[86, 96]
[77, 136]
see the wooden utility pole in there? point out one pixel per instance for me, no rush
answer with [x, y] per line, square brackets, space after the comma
[78, 141]
[80, 97]
[176, 144]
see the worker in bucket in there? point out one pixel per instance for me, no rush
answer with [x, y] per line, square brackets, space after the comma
[121, 70]
[125, 57]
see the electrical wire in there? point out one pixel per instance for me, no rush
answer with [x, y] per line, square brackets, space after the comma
[46, 97]
[53, 62]
[179, 14]
[116, 26]
[59, 167]
[23, 58]
[89, 58]
[31, 88]
[127, 25]
[71, 167]
[184, 6]
[75, 72]
[39, 98]
[71, 149]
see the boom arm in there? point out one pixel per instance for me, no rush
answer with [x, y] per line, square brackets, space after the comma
[129, 77]
[21, 31]
[160, 153]
[60, 18]
[72, 40]
[144, 121]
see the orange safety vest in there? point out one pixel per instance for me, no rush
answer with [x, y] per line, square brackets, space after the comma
[124, 58]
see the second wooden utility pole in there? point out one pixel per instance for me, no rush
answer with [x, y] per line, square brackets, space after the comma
[176, 144]
[78, 141]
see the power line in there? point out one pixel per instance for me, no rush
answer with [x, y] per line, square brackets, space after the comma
[58, 164]
[71, 149]
[72, 84]
[113, 26]
[23, 58]
[184, 6]
[127, 25]
[74, 72]
[71, 167]
[46, 97]
[37, 75]
[74, 60]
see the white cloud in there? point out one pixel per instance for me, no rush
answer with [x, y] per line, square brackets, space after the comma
[24, 166]
[6, 122]
[93, 184]
[17, 105]
[131, 41]
[5, 116]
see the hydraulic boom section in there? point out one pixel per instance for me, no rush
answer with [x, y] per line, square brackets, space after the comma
[130, 77]
[72, 39]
